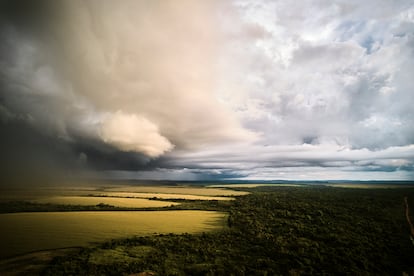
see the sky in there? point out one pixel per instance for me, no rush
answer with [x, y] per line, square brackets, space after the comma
[207, 90]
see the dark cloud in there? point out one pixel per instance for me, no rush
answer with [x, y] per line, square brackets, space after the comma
[26, 15]
[114, 86]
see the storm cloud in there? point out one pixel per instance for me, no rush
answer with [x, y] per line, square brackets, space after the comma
[209, 89]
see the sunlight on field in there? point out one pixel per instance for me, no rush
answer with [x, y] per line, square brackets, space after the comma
[26, 232]
[163, 196]
[115, 201]
[183, 190]
[78, 195]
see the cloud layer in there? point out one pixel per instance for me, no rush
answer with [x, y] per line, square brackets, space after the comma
[212, 89]
[324, 71]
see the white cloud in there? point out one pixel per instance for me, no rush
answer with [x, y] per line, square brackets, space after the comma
[323, 69]
[133, 133]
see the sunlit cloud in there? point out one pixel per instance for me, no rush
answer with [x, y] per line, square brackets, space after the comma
[132, 133]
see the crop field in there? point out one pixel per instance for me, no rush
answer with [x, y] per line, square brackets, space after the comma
[114, 201]
[26, 232]
[181, 190]
[265, 229]
[161, 196]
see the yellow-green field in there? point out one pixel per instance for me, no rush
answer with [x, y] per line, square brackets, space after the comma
[181, 190]
[26, 232]
[115, 201]
[45, 195]
[162, 195]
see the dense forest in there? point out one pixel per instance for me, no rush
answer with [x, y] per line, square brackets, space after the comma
[272, 231]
